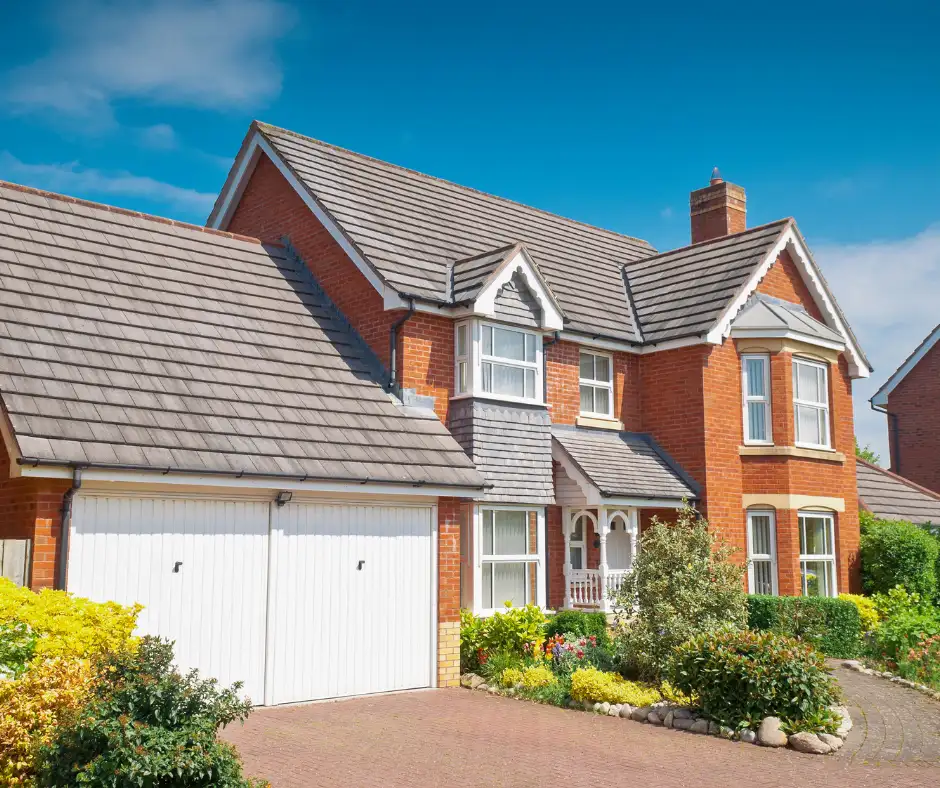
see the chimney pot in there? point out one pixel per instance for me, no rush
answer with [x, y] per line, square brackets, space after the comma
[717, 210]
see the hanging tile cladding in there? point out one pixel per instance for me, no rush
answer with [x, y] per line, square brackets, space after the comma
[516, 304]
[511, 447]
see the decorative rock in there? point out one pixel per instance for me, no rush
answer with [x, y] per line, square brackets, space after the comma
[670, 718]
[588, 705]
[809, 743]
[654, 719]
[493, 689]
[852, 664]
[682, 723]
[626, 711]
[683, 714]
[603, 708]
[833, 741]
[573, 704]
[846, 720]
[748, 736]
[725, 732]
[613, 711]
[640, 714]
[713, 729]
[699, 726]
[596, 707]
[482, 687]
[769, 733]
[476, 681]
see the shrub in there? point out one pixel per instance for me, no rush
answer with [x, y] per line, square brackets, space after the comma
[493, 665]
[683, 583]
[922, 662]
[596, 686]
[831, 625]
[147, 724]
[66, 625]
[31, 708]
[741, 677]
[471, 640]
[898, 553]
[903, 631]
[510, 677]
[897, 601]
[568, 652]
[17, 647]
[536, 676]
[517, 631]
[557, 693]
[580, 623]
[867, 612]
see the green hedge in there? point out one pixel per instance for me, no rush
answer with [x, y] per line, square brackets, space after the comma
[831, 625]
[898, 553]
[579, 623]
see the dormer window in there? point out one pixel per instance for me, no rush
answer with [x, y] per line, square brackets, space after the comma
[497, 361]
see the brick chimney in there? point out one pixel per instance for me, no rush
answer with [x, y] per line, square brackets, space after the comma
[718, 209]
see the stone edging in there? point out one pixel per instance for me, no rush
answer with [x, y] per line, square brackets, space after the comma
[858, 667]
[670, 715]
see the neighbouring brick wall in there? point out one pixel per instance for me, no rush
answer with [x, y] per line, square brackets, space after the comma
[31, 509]
[914, 423]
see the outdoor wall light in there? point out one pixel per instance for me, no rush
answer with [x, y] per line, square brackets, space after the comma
[283, 497]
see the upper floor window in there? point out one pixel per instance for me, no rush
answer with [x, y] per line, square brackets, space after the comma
[596, 384]
[498, 361]
[811, 403]
[755, 385]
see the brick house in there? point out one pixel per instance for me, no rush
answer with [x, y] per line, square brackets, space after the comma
[594, 382]
[911, 400]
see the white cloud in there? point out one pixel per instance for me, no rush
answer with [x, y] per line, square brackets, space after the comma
[216, 54]
[71, 178]
[160, 136]
[889, 291]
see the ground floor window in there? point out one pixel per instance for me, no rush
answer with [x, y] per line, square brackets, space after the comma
[511, 551]
[817, 554]
[761, 552]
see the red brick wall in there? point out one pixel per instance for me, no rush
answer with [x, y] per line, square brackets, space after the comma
[448, 559]
[914, 423]
[784, 281]
[31, 509]
[426, 350]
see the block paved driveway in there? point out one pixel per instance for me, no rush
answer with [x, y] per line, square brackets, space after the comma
[456, 737]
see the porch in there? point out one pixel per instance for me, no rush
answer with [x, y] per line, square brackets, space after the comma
[615, 538]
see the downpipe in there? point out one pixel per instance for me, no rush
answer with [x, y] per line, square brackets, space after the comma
[65, 520]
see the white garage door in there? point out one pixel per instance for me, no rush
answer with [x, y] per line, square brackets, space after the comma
[347, 609]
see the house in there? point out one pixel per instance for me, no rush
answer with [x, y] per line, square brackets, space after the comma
[891, 497]
[594, 382]
[364, 397]
[911, 400]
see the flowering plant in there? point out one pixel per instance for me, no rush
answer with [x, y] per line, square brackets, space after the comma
[570, 652]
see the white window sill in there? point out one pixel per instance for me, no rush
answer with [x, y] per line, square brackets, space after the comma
[498, 398]
[599, 422]
[770, 450]
[759, 443]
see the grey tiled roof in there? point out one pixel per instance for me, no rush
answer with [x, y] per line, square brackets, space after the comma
[892, 497]
[129, 340]
[684, 292]
[471, 273]
[766, 313]
[628, 464]
[412, 227]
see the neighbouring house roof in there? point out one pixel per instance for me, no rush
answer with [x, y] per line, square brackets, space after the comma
[881, 396]
[892, 497]
[767, 316]
[624, 464]
[132, 341]
[412, 234]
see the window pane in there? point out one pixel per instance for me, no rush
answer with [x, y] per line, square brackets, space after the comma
[602, 401]
[487, 340]
[530, 348]
[511, 532]
[509, 344]
[488, 377]
[577, 557]
[461, 340]
[587, 399]
[815, 536]
[756, 421]
[602, 369]
[530, 384]
[462, 377]
[487, 546]
[509, 584]
[808, 382]
[587, 366]
[506, 380]
[823, 427]
[755, 377]
[577, 534]
[760, 534]
[487, 585]
[817, 578]
[807, 425]
[763, 577]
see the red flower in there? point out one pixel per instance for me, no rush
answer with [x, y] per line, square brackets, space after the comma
[580, 655]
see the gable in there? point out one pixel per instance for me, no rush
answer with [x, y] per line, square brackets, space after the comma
[515, 303]
[910, 364]
[784, 281]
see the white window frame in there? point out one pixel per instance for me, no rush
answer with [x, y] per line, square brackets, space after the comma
[462, 370]
[582, 542]
[474, 360]
[766, 399]
[537, 558]
[829, 558]
[770, 558]
[819, 407]
[597, 384]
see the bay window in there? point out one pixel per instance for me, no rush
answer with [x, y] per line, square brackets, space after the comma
[755, 385]
[596, 383]
[510, 557]
[501, 362]
[811, 403]
[761, 553]
[817, 554]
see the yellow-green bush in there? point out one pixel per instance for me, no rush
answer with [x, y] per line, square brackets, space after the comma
[32, 707]
[510, 677]
[537, 676]
[68, 626]
[590, 684]
[867, 611]
[670, 693]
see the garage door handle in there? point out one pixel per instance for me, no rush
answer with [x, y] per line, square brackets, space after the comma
[176, 567]
[361, 564]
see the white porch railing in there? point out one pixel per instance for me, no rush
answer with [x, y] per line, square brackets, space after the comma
[586, 591]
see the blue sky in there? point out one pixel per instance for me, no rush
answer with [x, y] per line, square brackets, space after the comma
[829, 112]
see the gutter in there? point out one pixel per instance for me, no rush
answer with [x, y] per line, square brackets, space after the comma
[77, 467]
[66, 524]
[393, 346]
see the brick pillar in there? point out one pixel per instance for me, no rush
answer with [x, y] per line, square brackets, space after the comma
[448, 593]
[788, 553]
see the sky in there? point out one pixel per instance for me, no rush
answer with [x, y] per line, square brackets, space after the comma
[607, 113]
